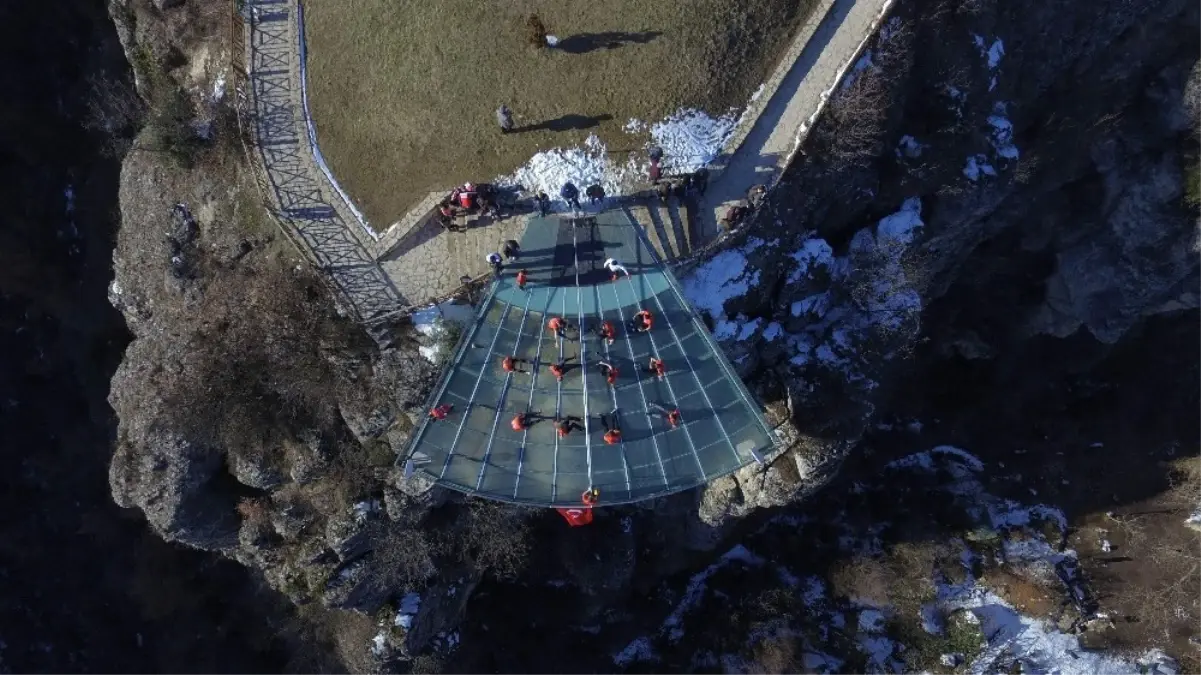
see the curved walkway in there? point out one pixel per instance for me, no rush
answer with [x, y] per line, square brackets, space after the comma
[415, 262]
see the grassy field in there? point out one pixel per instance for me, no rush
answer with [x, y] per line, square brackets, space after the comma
[403, 93]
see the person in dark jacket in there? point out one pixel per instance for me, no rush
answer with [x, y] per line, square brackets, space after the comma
[571, 194]
[543, 204]
[700, 180]
[511, 249]
[504, 117]
[596, 194]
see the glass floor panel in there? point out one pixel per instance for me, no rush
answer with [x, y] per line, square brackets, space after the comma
[475, 449]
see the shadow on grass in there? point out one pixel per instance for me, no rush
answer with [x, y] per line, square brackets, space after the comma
[566, 123]
[590, 42]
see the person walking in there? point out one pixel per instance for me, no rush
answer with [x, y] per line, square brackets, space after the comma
[614, 267]
[571, 194]
[512, 364]
[511, 249]
[656, 367]
[700, 180]
[439, 412]
[504, 117]
[494, 260]
[608, 371]
[596, 194]
[522, 277]
[543, 204]
[612, 427]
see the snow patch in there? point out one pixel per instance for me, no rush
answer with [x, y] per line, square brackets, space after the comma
[909, 147]
[721, 278]
[856, 70]
[994, 54]
[814, 254]
[585, 165]
[634, 125]
[695, 590]
[638, 650]
[976, 166]
[409, 606]
[431, 322]
[691, 139]
[773, 331]
[1002, 134]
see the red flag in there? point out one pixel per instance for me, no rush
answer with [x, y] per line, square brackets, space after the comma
[576, 516]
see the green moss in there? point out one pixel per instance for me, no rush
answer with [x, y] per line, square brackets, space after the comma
[923, 651]
[1192, 184]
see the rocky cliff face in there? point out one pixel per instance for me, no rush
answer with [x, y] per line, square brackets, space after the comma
[979, 190]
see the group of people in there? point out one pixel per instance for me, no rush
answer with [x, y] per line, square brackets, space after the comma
[466, 199]
[610, 422]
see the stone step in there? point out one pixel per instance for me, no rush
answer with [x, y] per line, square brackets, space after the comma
[638, 212]
[678, 211]
[667, 233]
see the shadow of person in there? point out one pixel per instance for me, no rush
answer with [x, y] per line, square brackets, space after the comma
[566, 123]
[589, 42]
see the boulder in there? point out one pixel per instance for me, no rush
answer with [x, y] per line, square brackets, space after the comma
[182, 487]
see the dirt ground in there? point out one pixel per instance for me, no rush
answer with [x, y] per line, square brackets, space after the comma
[404, 94]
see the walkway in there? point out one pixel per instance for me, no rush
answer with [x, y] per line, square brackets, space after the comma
[301, 196]
[829, 47]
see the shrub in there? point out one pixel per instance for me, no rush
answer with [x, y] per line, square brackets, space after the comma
[535, 31]
[1192, 184]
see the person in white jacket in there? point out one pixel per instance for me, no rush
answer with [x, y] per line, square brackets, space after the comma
[614, 267]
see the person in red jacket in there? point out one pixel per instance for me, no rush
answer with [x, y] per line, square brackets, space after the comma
[609, 372]
[512, 364]
[612, 428]
[564, 426]
[440, 412]
[557, 326]
[590, 496]
[520, 422]
[672, 415]
[656, 367]
[558, 370]
[643, 320]
[607, 332]
[522, 277]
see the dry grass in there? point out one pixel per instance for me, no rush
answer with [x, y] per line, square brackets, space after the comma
[404, 94]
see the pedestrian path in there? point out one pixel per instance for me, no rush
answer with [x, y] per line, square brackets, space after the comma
[300, 195]
[764, 149]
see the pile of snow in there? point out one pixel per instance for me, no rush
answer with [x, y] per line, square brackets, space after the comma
[691, 139]
[992, 53]
[583, 166]
[873, 642]
[909, 147]
[638, 650]
[1002, 133]
[721, 278]
[410, 604]
[856, 70]
[976, 166]
[431, 322]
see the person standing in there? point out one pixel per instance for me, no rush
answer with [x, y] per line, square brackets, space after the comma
[511, 249]
[656, 367]
[596, 194]
[558, 370]
[522, 277]
[612, 427]
[700, 180]
[543, 204]
[608, 371]
[557, 326]
[642, 321]
[571, 194]
[607, 333]
[440, 412]
[672, 415]
[614, 267]
[520, 422]
[497, 264]
[504, 117]
[512, 364]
